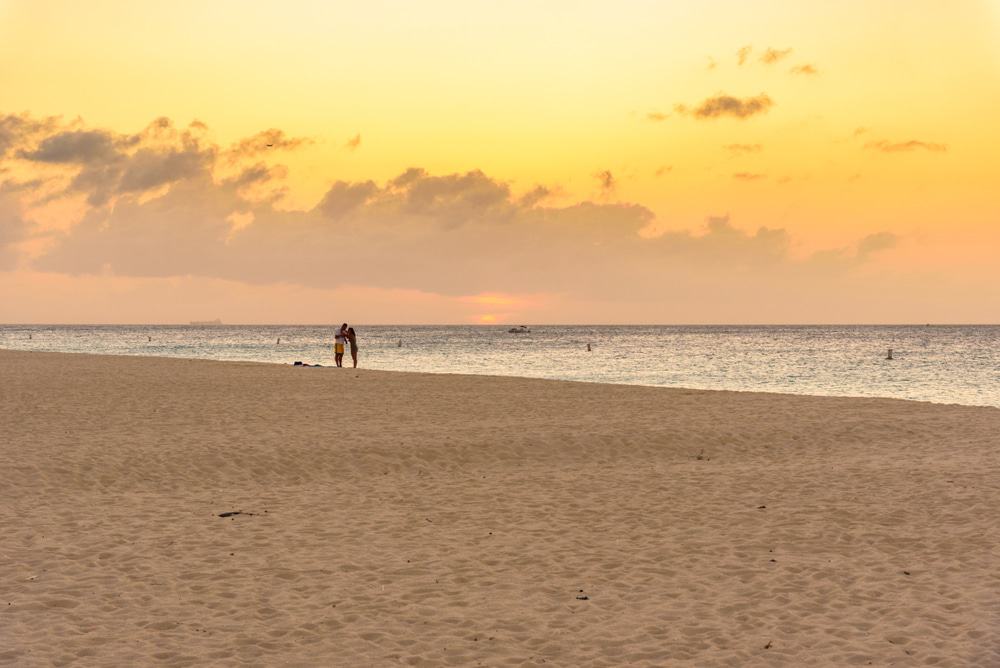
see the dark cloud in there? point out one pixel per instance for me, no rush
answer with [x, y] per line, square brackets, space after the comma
[743, 149]
[76, 146]
[743, 54]
[727, 105]
[748, 176]
[806, 69]
[905, 146]
[148, 169]
[455, 199]
[109, 165]
[407, 177]
[344, 197]
[145, 169]
[771, 56]
[98, 181]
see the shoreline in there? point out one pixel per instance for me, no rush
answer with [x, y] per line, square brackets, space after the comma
[484, 375]
[428, 519]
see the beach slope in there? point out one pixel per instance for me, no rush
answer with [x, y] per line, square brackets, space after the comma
[414, 519]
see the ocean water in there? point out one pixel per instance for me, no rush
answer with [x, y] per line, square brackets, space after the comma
[945, 364]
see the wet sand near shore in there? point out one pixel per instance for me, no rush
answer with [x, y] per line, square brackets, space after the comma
[413, 519]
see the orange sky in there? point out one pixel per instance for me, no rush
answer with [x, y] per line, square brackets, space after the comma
[704, 162]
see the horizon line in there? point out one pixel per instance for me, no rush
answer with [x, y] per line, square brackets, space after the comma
[510, 324]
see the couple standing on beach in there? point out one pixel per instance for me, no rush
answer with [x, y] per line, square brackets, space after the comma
[344, 336]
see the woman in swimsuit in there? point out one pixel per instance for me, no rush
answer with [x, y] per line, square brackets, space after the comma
[352, 338]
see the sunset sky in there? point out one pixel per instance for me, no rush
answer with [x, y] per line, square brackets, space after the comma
[720, 161]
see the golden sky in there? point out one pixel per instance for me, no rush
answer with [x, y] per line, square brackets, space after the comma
[717, 161]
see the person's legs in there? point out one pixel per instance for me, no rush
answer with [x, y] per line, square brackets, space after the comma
[354, 356]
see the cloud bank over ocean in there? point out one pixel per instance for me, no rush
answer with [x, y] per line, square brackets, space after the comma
[169, 202]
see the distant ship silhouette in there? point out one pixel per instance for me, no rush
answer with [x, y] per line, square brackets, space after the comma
[206, 322]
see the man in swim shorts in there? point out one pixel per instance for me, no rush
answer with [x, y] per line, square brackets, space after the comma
[338, 346]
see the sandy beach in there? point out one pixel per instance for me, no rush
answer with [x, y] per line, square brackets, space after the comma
[413, 519]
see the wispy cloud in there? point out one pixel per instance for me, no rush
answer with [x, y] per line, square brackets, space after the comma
[742, 54]
[663, 169]
[771, 56]
[886, 146]
[535, 196]
[874, 243]
[269, 140]
[18, 129]
[857, 254]
[607, 181]
[353, 143]
[657, 116]
[806, 69]
[748, 176]
[727, 105]
[258, 174]
[743, 149]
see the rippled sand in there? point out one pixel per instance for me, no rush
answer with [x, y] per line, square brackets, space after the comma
[459, 520]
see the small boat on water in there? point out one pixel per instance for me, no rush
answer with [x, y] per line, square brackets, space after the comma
[523, 329]
[206, 322]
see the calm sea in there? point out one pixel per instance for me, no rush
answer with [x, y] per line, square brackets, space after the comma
[947, 364]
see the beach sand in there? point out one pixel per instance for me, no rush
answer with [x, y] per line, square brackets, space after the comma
[415, 519]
